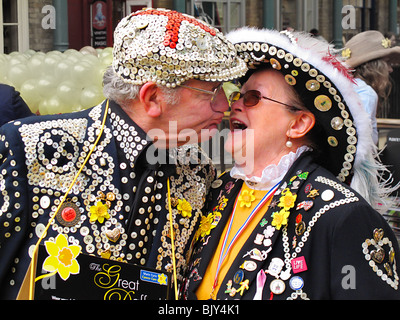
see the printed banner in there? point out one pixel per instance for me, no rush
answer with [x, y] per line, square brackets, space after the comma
[68, 276]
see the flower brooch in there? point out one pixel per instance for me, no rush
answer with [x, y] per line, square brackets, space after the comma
[286, 202]
[99, 211]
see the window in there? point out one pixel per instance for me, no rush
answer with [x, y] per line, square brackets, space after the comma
[364, 11]
[224, 15]
[14, 26]
[301, 15]
[135, 5]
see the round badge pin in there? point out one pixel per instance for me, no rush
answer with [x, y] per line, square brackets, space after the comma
[327, 195]
[68, 215]
[277, 286]
[216, 184]
[296, 283]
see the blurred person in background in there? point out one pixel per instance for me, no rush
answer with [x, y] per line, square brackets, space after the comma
[371, 56]
[12, 106]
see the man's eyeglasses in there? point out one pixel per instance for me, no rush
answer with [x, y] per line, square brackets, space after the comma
[252, 98]
[218, 99]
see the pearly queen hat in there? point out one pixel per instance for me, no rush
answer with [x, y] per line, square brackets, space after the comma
[323, 84]
[169, 48]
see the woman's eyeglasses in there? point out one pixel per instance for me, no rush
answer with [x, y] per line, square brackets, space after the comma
[252, 98]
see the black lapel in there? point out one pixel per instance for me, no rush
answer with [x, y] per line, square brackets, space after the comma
[252, 250]
[223, 193]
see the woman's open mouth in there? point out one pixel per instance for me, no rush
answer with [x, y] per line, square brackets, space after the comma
[238, 125]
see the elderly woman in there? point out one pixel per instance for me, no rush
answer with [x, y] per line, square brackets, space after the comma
[286, 222]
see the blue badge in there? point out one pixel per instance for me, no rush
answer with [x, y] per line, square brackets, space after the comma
[296, 283]
[239, 276]
[153, 277]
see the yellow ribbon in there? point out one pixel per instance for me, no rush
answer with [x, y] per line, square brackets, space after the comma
[47, 275]
[172, 240]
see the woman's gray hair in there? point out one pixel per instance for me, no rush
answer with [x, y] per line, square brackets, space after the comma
[115, 88]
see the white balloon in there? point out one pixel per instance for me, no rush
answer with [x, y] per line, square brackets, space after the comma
[53, 105]
[91, 96]
[29, 53]
[89, 50]
[46, 86]
[44, 107]
[57, 82]
[69, 52]
[17, 74]
[62, 70]
[82, 74]
[17, 58]
[68, 93]
[30, 94]
[3, 67]
[35, 65]
[91, 59]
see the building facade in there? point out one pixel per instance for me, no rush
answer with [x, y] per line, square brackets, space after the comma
[45, 25]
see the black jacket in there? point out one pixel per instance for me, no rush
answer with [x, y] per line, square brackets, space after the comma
[342, 258]
[12, 106]
[40, 156]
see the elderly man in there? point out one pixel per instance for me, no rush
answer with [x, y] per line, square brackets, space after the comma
[102, 176]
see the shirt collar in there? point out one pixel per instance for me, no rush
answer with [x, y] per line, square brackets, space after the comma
[130, 138]
[271, 174]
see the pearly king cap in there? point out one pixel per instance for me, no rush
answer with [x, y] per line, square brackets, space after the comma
[325, 87]
[367, 46]
[169, 48]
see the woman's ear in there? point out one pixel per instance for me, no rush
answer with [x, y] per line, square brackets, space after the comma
[301, 124]
[148, 96]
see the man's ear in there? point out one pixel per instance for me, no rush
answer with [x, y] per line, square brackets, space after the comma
[302, 124]
[149, 97]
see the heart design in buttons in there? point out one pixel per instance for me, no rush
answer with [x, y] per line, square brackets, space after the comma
[378, 234]
[113, 235]
[378, 255]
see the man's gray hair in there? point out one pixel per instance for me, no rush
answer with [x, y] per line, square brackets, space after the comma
[115, 88]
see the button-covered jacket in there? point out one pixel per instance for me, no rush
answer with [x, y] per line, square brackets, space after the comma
[113, 210]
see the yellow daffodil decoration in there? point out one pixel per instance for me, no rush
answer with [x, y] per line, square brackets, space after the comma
[246, 198]
[286, 202]
[386, 43]
[99, 212]
[207, 223]
[62, 257]
[346, 53]
[184, 208]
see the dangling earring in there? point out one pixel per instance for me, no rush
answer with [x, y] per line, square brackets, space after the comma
[289, 143]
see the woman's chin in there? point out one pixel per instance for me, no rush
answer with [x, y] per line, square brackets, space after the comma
[234, 142]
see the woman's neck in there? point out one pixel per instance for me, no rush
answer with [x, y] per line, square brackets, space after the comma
[260, 163]
[263, 176]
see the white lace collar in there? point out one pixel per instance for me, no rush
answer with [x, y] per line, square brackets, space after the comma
[271, 174]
